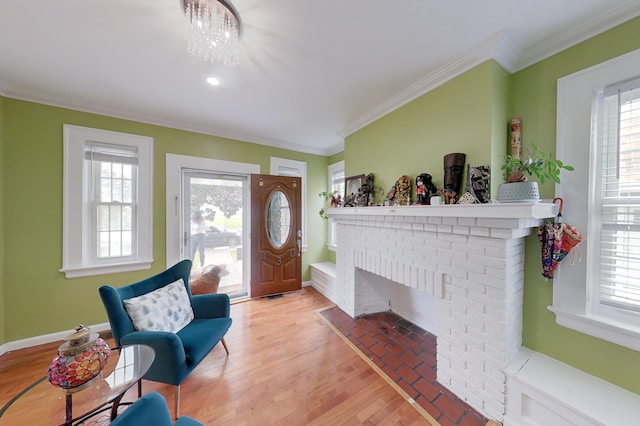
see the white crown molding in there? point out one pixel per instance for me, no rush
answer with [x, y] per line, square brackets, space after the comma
[174, 124]
[336, 148]
[481, 52]
[500, 48]
[556, 43]
[4, 88]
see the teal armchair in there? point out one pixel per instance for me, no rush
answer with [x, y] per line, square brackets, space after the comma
[179, 352]
[151, 409]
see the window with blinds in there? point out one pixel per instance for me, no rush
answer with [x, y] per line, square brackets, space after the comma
[113, 199]
[618, 197]
[336, 184]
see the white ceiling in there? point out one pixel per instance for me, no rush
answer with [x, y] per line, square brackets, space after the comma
[310, 73]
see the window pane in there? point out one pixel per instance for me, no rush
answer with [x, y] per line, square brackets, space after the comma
[103, 218]
[117, 190]
[127, 171]
[103, 245]
[105, 190]
[115, 219]
[116, 170]
[127, 193]
[114, 244]
[126, 244]
[105, 169]
[127, 218]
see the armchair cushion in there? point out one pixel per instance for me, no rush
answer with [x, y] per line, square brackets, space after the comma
[165, 309]
[202, 336]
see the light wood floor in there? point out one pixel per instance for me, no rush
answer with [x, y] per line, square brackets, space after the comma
[286, 367]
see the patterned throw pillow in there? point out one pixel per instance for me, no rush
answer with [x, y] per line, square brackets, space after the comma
[165, 309]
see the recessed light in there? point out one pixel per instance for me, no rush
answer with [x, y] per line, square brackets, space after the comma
[213, 81]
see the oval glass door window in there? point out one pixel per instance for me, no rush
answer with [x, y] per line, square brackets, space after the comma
[278, 219]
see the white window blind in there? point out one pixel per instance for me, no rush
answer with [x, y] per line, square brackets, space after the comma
[336, 184]
[337, 181]
[618, 166]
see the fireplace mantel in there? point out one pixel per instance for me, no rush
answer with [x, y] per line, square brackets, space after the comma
[495, 211]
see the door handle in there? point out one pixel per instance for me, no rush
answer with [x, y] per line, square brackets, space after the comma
[299, 246]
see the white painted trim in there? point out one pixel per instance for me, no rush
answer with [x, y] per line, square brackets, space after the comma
[76, 247]
[543, 391]
[47, 338]
[516, 211]
[571, 299]
[578, 33]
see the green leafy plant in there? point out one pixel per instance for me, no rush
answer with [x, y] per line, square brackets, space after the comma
[536, 163]
[328, 196]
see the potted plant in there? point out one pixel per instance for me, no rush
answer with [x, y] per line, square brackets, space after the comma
[538, 164]
[330, 200]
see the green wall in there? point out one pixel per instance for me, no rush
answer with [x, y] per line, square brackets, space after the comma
[458, 116]
[471, 114]
[534, 98]
[37, 298]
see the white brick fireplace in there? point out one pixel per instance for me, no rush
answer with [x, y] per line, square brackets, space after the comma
[470, 258]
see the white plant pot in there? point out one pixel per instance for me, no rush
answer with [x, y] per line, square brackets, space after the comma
[518, 192]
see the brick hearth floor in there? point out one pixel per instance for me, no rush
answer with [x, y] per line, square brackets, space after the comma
[407, 354]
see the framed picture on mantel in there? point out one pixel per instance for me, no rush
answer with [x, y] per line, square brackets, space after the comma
[352, 185]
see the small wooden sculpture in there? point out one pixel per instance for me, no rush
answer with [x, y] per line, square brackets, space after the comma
[400, 193]
[364, 196]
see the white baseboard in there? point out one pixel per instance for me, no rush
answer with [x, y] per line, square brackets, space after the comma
[47, 338]
[543, 391]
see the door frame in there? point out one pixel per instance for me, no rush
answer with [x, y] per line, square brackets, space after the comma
[173, 173]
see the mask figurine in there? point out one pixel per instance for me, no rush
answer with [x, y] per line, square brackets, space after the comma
[424, 189]
[453, 170]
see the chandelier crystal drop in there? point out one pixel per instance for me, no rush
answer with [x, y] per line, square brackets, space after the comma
[213, 28]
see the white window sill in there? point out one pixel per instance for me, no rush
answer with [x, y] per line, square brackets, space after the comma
[87, 271]
[604, 328]
[332, 247]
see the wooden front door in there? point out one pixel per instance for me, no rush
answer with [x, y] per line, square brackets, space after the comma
[276, 235]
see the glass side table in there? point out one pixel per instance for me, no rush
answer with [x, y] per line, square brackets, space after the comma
[44, 404]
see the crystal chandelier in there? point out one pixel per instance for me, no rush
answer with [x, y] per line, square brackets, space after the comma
[214, 28]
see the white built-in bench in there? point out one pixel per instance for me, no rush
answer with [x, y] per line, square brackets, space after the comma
[544, 391]
[323, 279]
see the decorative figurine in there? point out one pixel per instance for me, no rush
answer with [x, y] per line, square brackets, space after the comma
[336, 201]
[453, 170]
[364, 197]
[400, 193]
[424, 189]
[478, 179]
[467, 198]
[516, 137]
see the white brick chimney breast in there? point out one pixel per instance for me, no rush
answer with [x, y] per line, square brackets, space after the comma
[470, 257]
